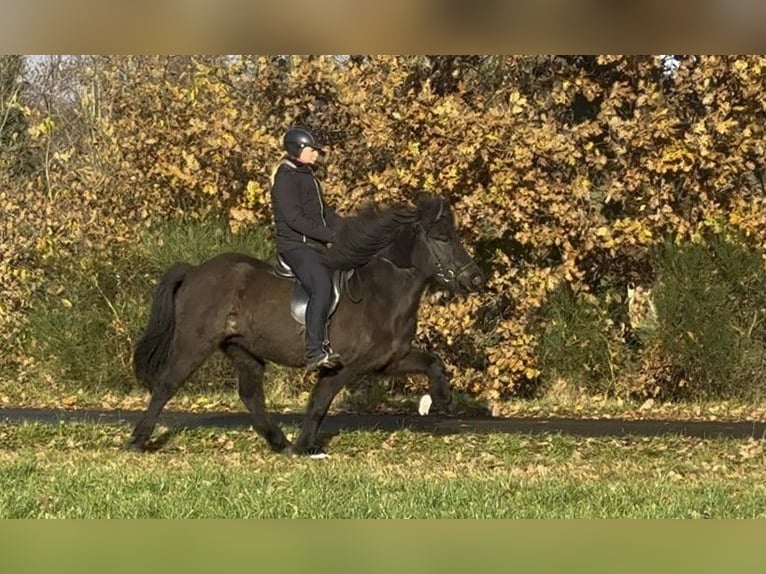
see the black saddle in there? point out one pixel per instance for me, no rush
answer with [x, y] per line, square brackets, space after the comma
[300, 297]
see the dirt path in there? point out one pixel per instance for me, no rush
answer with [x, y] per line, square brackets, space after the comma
[430, 424]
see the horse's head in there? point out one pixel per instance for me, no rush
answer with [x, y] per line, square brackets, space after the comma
[424, 237]
[438, 249]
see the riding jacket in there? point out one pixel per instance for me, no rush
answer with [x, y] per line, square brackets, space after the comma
[300, 216]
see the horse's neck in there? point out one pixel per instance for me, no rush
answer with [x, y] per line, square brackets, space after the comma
[398, 284]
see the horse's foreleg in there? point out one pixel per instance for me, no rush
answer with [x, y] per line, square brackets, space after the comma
[420, 362]
[320, 399]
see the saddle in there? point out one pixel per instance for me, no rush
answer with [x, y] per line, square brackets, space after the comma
[300, 297]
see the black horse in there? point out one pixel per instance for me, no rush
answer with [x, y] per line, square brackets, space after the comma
[241, 306]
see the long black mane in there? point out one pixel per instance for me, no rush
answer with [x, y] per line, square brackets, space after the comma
[366, 233]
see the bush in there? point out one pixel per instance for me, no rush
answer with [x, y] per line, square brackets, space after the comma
[560, 169]
[579, 342]
[711, 304]
[705, 338]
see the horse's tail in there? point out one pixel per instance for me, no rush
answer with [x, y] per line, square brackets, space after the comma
[152, 349]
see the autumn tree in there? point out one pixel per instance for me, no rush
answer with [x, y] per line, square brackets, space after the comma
[562, 170]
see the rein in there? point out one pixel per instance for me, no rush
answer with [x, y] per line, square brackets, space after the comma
[447, 274]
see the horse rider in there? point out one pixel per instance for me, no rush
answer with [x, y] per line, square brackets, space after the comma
[304, 226]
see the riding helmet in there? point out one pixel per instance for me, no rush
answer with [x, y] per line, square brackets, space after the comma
[296, 138]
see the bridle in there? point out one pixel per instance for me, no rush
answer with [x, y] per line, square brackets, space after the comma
[443, 271]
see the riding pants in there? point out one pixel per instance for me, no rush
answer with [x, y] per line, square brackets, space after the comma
[317, 279]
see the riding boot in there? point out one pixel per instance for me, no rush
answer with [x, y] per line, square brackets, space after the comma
[323, 358]
[326, 360]
[332, 355]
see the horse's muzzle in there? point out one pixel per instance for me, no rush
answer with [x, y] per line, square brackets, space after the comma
[471, 279]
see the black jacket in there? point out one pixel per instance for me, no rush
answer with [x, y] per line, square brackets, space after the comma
[300, 216]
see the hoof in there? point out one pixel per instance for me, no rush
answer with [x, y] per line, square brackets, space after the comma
[319, 455]
[314, 452]
[443, 406]
[451, 407]
[438, 405]
[134, 446]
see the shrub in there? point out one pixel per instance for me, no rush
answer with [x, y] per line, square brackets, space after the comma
[560, 169]
[579, 342]
[711, 304]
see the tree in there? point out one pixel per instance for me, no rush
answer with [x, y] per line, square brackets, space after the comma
[12, 120]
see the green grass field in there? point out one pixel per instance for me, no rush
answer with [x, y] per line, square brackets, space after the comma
[81, 471]
[79, 357]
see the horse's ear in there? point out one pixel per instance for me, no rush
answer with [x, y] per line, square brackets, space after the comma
[442, 204]
[426, 201]
[431, 206]
[422, 197]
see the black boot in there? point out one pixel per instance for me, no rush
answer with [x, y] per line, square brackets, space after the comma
[326, 358]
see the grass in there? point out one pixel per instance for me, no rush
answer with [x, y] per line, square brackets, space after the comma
[196, 240]
[81, 471]
[84, 333]
[576, 343]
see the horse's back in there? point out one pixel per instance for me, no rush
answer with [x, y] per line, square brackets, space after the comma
[234, 258]
[230, 266]
[223, 278]
[238, 297]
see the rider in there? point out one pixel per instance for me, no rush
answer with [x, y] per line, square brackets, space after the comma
[304, 226]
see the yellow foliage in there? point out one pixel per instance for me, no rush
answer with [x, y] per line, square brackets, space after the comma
[561, 170]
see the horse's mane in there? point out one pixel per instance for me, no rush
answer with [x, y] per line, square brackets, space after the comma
[366, 233]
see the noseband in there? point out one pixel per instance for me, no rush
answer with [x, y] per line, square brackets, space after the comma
[444, 272]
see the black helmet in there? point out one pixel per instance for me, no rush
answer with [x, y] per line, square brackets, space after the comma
[295, 139]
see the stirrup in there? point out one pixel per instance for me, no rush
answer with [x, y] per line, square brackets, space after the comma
[328, 360]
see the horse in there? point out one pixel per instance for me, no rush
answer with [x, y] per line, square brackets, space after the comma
[241, 306]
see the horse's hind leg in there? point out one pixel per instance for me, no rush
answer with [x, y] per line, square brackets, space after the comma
[144, 427]
[250, 379]
[167, 383]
